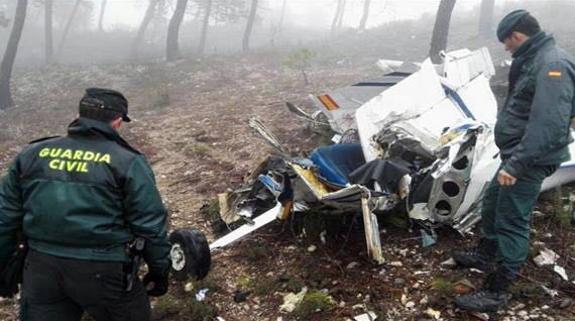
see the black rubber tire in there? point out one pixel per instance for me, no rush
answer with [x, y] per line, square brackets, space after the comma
[196, 250]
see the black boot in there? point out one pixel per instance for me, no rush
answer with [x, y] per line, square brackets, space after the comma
[481, 257]
[492, 297]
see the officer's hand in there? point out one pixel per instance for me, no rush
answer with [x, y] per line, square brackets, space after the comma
[159, 283]
[505, 179]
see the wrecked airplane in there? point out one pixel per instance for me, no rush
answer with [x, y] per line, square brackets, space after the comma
[420, 136]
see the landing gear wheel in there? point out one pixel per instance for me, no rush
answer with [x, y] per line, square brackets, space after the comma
[190, 254]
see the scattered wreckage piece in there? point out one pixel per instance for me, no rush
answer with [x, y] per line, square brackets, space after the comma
[419, 138]
[246, 229]
[369, 316]
[258, 126]
[546, 257]
[371, 228]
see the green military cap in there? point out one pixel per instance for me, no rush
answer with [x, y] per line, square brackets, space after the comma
[506, 25]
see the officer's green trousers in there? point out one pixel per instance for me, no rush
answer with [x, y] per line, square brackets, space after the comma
[506, 216]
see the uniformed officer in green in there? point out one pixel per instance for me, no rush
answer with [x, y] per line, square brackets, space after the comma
[533, 134]
[79, 200]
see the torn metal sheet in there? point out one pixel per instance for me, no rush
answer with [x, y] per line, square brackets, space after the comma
[246, 229]
[323, 192]
[269, 137]
[348, 197]
[299, 112]
[461, 66]
[372, 236]
[317, 187]
[398, 103]
[396, 140]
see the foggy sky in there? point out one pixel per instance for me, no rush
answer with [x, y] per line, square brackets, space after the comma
[303, 13]
[127, 14]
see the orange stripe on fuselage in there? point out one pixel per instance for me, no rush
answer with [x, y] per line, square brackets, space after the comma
[328, 102]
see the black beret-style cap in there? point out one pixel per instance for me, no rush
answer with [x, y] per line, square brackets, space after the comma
[505, 27]
[106, 99]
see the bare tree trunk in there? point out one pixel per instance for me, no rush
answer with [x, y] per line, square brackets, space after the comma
[10, 55]
[172, 43]
[363, 22]
[341, 14]
[282, 16]
[143, 26]
[441, 29]
[102, 11]
[336, 16]
[4, 22]
[205, 26]
[68, 25]
[486, 19]
[250, 26]
[48, 36]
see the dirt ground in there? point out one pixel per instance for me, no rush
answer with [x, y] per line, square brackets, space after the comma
[191, 121]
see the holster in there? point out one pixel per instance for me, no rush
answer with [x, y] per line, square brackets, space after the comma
[136, 253]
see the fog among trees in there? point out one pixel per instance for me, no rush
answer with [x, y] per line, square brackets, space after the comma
[91, 31]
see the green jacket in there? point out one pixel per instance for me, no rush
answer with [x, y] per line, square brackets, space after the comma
[533, 127]
[83, 196]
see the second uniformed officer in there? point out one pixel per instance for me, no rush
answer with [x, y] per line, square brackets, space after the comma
[532, 133]
[79, 200]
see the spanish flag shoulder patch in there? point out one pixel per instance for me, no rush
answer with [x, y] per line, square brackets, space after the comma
[554, 73]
